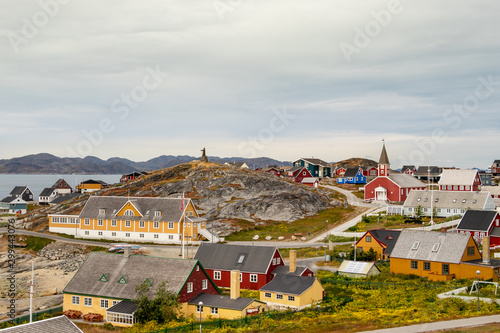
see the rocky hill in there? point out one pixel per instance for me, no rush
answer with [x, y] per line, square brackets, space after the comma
[50, 164]
[353, 162]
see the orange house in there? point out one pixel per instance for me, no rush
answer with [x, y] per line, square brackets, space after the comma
[442, 256]
[381, 241]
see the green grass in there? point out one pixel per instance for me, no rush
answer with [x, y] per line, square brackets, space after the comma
[340, 239]
[36, 243]
[308, 226]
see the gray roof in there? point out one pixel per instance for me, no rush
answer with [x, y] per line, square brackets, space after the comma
[59, 324]
[170, 208]
[66, 197]
[134, 270]
[289, 284]
[220, 301]
[457, 177]
[451, 246]
[388, 237]
[317, 161]
[477, 220]
[46, 192]
[405, 167]
[257, 259]
[494, 190]
[351, 172]
[449, 199]
[384, 159]
[8, 199]
[424, 170]
[286, 270]
[404, 180]
[126, 307]
[18, 190]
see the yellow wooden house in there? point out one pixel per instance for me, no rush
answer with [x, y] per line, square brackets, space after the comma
[442, 256]
[138, 219]
[292, 291]
[382, 241]
[90, 185]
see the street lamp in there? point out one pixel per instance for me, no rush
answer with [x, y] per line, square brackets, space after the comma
[200, 306]
[477, 287]
[326, 230]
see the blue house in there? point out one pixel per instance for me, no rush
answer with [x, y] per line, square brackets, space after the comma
[317, 168]
[352, 176]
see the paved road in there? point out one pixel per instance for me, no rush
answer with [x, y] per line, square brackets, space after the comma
[351, 198]
[442, 325]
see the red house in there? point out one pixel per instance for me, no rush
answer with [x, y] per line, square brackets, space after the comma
[388, 186]
[460, 180]
[409, 170]
[297, 174]
[340, 171]
[370, 171]
[481, 223]
[255, 263]
[271, 170]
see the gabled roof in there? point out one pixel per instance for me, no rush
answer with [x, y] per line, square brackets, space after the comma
[477, 220]
[63, 198]
[245, 258]
[296, 169]
[236, 164]
[405, 181]
[310, 180]
[384, 159]
[433, 170]
[450, 249]
[286, 270]
[458, 177]
[46, 192]
[131, 271]
[357, 267]
[61, 183]
[59, 324]
[316, 161]
[406, 167]
[224, 302]
[388, 237]
[170, 208]
[494, 190]
[91, 181]
[289, 284]
[18, 190]
[448, 199]
[12, 199]
[351, 172]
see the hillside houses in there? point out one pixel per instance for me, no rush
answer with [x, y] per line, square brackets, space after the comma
[317, 168]
[353, 175]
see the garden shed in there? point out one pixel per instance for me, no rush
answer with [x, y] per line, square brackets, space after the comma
[358, 269]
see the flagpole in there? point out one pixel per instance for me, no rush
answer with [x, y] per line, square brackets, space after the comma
[183, 224]
[31, 289]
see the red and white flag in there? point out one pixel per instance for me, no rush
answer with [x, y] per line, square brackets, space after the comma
[182, 201]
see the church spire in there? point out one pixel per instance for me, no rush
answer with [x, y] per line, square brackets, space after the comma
[383, 163]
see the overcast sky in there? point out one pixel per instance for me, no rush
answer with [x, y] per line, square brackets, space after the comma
[283, 79]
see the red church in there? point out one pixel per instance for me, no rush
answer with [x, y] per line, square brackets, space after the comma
[390, 186]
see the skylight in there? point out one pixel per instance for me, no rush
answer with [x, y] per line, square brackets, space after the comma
[241, 258]
[437, 199]
[454, 200]
[415, 245]
[418, 199]
[425, 200]
[464, 200]
[435, 248]
[474, 201]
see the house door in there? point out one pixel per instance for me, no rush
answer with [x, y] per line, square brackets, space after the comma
[446, 269]
[380, 193]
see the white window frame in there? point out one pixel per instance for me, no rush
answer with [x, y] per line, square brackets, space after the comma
[217, 275]
[267, 295]
[254, 278]
[87, 301]
[170, 225]
[199, 309]
[104, 302]
[75, 300]
[128, 224]
[156, 225]
[86, 221]
[214, 311]
[100, 222]
[279, 296]
[204, 284]
[142, 224]
[189, 287]
[291, 298]
[113, 223]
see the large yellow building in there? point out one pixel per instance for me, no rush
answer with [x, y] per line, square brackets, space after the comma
[138, 219]
[382, 241]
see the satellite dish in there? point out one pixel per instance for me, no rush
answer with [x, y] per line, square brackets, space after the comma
[255, 237]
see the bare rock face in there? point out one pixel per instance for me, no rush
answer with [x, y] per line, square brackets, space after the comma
[221, 192]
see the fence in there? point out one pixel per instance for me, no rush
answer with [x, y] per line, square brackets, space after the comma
[36, 316]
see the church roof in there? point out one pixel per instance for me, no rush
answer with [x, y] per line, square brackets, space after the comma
[383, 156]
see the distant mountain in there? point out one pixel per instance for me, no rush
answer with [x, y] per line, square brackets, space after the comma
[49, 164]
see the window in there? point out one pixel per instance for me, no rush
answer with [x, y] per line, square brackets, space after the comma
[141, 235]
[279, 296]
[113, 223]
[267, 295]
[446, 269]
[86, 222]
[199, 308]
[99, 233]
[172, 237]
[87, 232]
[278, 261]
[241, 258]
[368, 238]
[75, 300]
[204, 284]
[127, 224]
[190, 287]
[142, 224]
[215, 311]
[415, 245]
[156, 224]
[216, 275]
[104, 303]
[100, 223]
[115, 302]
[129, 212]
[102, 211]
[427, 266]
[170, 225]
[435, 248]
[156, 236]
[127, 234]
[253, 277]
[291, 298]
[157, 213]
[241, 277]
[113, 234]
[87, 301]
[471, 251]
[414, 264]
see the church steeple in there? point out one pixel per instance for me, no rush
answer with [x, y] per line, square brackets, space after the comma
[383, 162]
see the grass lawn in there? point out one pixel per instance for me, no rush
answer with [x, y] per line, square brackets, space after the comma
[390, 222]
[308, 227]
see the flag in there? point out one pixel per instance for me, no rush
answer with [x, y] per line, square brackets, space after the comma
[182, 201]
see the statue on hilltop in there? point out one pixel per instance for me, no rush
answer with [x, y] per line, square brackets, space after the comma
[203, 156]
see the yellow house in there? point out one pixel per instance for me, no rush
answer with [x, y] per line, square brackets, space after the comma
[90, 185]
[382, 241]
[291, 291]
[442, 256]
[139, 219]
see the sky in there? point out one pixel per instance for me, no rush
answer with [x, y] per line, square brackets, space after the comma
[282, 79]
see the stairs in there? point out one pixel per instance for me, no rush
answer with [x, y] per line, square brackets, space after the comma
[208, 235]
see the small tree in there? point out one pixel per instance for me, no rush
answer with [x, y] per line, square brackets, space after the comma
[163, 307]
[418, 211]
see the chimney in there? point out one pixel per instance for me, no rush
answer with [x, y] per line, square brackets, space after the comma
[127, 250]
[293, 261]
[235, 285]
[486, 250]
[443, 230]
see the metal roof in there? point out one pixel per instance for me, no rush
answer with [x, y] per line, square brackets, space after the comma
[424, 170]
[388, 237]
[224, 302]
[59, 324]
[419, 244]
[449, 199]
[477, 220]
[458, 177]
[289, 284]
[114, 275]
[384, 159]
[47, 192]
[404, 180]
[126, 307]
[245, 258]
[18, 190]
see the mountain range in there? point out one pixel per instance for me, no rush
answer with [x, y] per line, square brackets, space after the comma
[49, 164]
